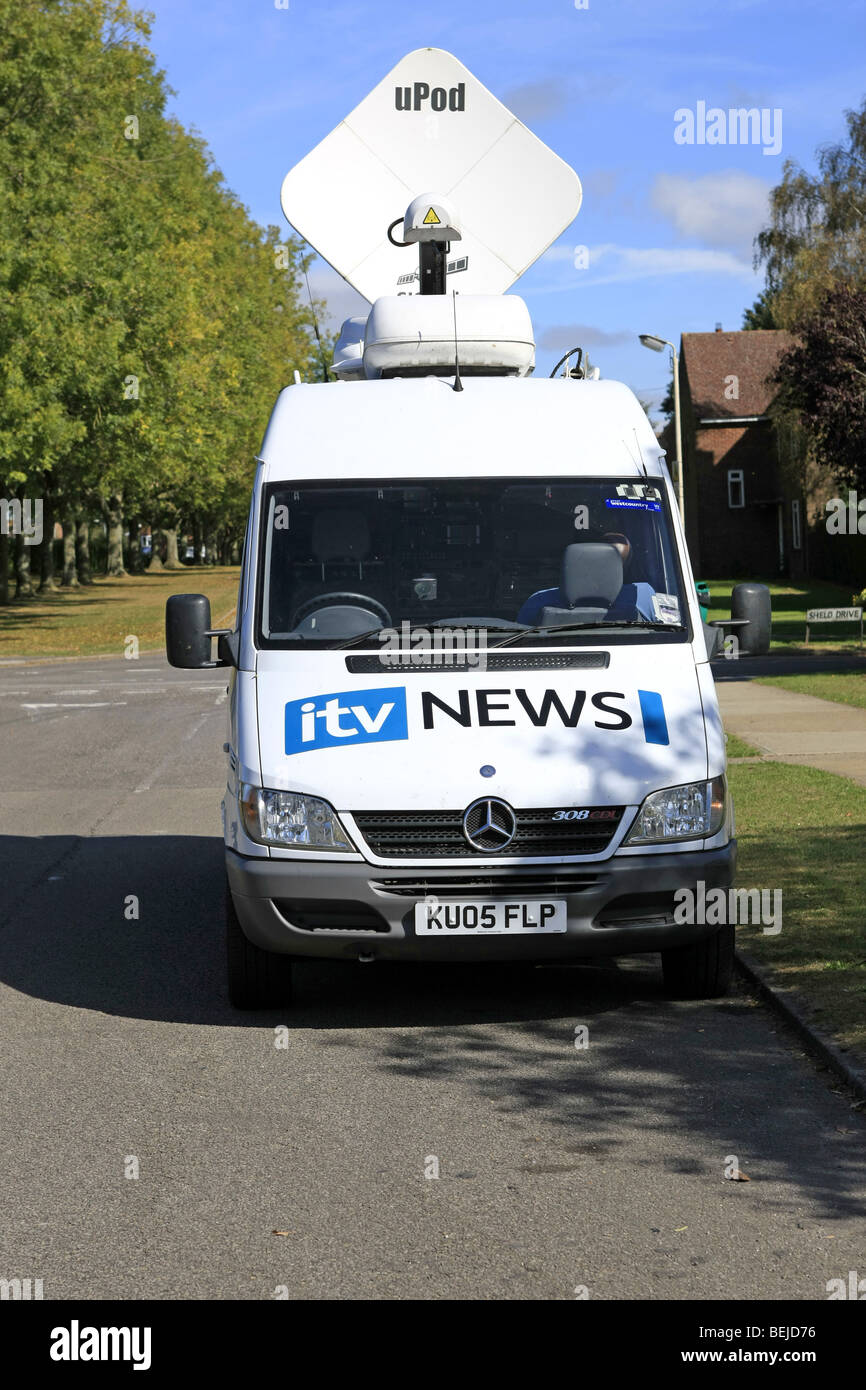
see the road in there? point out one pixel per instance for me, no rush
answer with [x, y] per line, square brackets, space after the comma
[560, 1168]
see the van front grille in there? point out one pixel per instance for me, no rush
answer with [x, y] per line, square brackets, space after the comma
[483, 660]
[546, 884]
[439, 834]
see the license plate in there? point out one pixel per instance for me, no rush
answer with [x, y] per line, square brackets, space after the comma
[489, 919]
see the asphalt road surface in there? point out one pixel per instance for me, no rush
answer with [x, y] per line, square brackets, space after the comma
[301, 1168]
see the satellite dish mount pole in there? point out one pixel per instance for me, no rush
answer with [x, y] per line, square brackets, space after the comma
[430, 221]
[432, 261]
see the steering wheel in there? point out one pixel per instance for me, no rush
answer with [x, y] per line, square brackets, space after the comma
[312, 605]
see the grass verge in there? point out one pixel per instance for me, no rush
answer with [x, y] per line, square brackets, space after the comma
[789, 604]
[96, 620]
[845, 687]
[738, 748]
[801, 830]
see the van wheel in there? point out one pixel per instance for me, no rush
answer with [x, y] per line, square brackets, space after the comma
[701, 971]
[257, 979]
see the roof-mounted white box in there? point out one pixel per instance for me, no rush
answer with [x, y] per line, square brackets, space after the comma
[414, 335]
[348, 363]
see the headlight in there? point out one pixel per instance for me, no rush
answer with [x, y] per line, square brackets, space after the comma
[692, 812]
[292, 819]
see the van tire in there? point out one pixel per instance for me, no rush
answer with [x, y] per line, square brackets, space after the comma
[257, 979]
[700, 971]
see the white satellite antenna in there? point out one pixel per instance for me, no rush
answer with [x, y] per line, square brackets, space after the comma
[431, 125]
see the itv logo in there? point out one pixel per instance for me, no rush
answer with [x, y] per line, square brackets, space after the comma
[346, 717]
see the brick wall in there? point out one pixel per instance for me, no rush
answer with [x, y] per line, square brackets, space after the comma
[737, 540]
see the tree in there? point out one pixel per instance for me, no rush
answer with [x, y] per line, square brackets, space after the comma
[146, 322]
[761, 314]
[666, 404]
[817, 233]
[43, 95]
[822, 381]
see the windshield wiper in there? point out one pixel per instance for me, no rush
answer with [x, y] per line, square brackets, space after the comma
[354, 641]
[566, 629]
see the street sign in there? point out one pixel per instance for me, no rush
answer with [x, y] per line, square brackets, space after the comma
[834, 615]
[430, 126]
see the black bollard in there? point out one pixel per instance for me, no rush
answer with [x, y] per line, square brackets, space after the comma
[752, 601]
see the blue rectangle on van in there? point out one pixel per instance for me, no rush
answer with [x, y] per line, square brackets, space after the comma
[655, 726]
[344, 718]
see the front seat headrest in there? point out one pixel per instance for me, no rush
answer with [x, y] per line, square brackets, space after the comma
[340, 535]
[591, 574]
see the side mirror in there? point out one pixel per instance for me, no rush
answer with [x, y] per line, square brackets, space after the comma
[188, 632]
[714, 637]
[228, 648]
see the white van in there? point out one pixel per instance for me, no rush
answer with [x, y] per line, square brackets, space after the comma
[472, 715]
[521, 794]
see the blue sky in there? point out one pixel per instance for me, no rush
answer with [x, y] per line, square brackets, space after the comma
[669, 226]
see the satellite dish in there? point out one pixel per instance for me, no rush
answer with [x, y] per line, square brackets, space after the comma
[431, 125]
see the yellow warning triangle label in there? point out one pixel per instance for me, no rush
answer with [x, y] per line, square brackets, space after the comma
[430, 218]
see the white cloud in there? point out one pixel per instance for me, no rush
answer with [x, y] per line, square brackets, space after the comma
[727, 209]
[641, 262]
[561, 336]
[558, 252]
[610, 264]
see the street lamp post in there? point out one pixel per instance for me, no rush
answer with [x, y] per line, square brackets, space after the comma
[650, 340]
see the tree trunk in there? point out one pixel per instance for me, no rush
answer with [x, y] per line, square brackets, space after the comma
[24, 585]
[114, 515]
[211, 544]
[136, 565]
[172, 561]
[47, 583]
[82, 551]
[197, 539]
[70, 577]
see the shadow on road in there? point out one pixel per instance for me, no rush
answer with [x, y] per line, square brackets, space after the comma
[66, 936]
[500, 1036]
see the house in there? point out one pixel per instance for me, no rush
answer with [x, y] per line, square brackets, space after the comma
[746, 490]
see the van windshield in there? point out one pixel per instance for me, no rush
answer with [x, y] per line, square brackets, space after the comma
[340, 561]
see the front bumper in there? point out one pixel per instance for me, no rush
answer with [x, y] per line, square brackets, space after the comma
[617, 906]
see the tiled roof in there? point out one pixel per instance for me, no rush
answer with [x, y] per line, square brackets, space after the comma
[750, 355]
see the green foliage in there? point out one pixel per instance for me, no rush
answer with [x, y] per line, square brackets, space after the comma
[666, 406]
[817, 232]
[814, 254]
[146, 322]
[761, 314]
[822, 381]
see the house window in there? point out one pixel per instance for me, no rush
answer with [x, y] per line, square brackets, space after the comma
[796, 528]
[736, 488]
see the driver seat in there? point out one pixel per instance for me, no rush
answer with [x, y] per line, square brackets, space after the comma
[340, 537]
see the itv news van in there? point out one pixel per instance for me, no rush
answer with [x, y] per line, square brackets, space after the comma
[472, 716]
